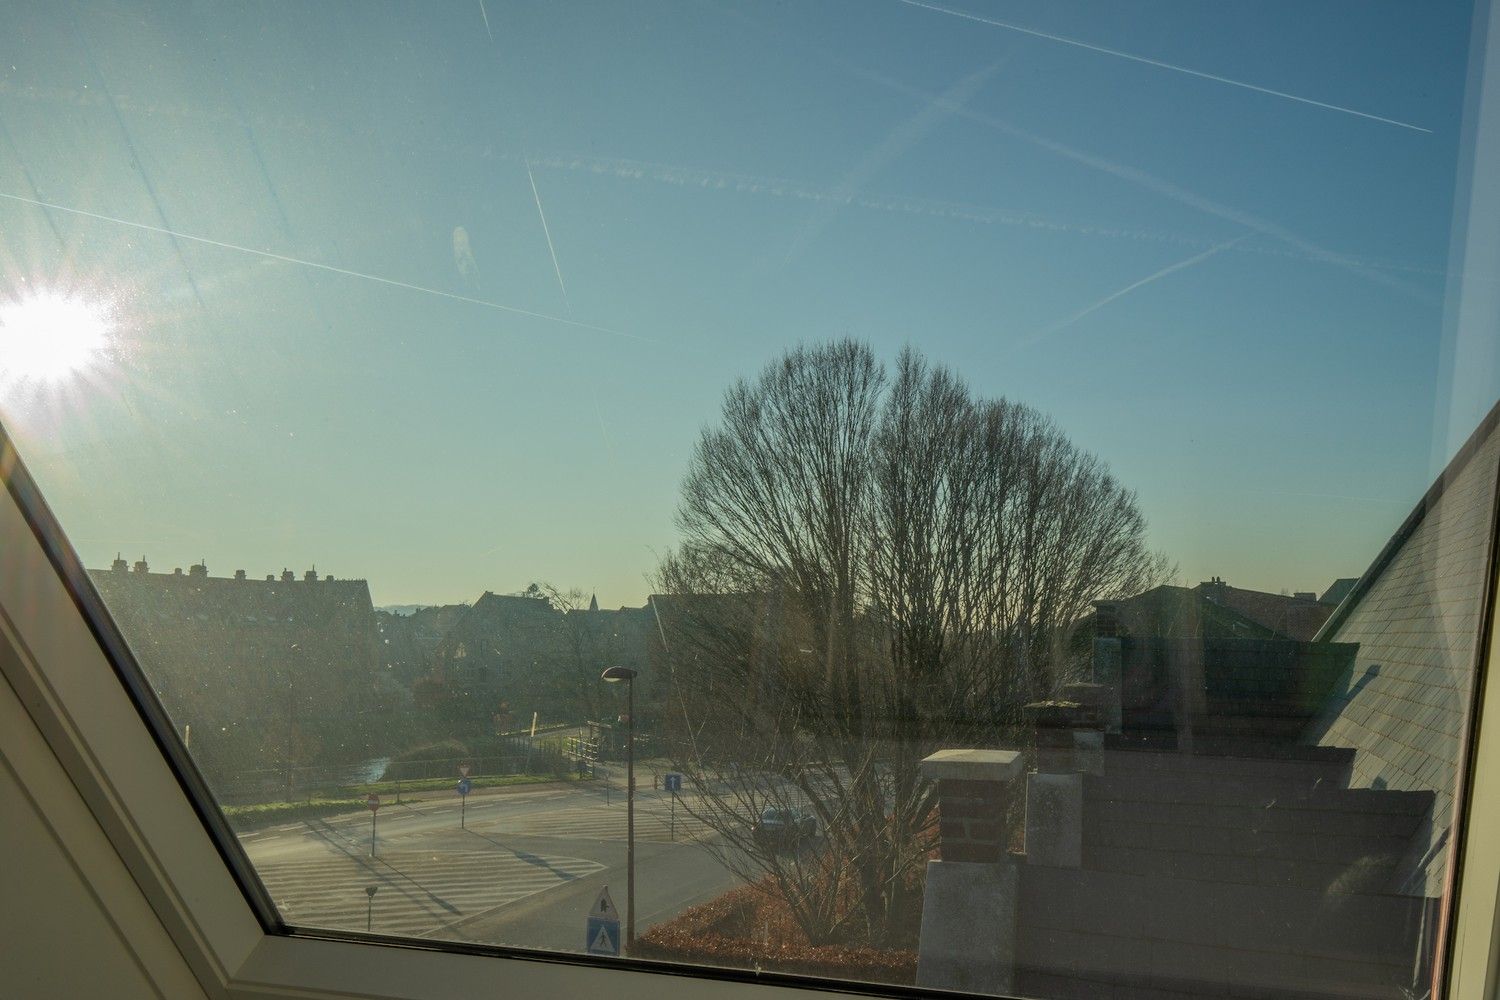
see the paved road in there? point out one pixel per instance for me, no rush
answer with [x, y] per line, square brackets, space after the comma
[523, 870]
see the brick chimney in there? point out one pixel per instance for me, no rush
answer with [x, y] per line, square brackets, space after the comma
[967, 940]
[975, 791]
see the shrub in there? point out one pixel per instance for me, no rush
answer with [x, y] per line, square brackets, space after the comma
[749, 927]
[242, 818]
[444, 751]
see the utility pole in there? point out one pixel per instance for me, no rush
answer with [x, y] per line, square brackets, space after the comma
[626, 674]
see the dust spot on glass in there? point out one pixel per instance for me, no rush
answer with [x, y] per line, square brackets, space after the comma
[463, 256]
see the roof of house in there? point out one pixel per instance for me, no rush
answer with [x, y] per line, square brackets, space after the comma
[1290, 616]
[1215, 608]
[1338, 590]
[1417, 615]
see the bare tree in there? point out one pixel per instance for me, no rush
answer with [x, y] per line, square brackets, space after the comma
[574, 679]
[872, 568]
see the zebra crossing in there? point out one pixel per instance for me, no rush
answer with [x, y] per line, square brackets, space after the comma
[653, 822]
[418, 894]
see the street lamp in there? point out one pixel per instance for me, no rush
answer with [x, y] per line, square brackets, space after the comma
[615, 675]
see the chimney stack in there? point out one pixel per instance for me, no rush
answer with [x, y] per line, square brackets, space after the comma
[975, 790]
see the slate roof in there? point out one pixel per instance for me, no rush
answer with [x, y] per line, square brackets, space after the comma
[1416, 615]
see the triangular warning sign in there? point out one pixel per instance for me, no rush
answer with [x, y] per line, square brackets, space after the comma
[604, 906]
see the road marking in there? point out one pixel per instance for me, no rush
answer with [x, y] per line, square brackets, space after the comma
[600, 822]
[420, 892]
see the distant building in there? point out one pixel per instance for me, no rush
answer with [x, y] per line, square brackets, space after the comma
[1214, 608]
[1335, 594]
[409, 641]
[267, 673]
[514, 655]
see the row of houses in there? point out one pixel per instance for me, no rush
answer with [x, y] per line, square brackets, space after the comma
[1245, 796]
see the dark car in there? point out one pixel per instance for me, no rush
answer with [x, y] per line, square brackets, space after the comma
[784, 827]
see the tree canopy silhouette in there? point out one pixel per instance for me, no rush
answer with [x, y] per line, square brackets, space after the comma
[874, 565]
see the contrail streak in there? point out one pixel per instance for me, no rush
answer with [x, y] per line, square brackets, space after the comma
[545, 231]
[1163, 65]
[788, 187]
[1133, 286]
[1150, 182]
[905, 135]
[267, 254]
[801, 190]
[486, 17]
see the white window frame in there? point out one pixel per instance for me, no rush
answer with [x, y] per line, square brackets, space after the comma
[54, 658]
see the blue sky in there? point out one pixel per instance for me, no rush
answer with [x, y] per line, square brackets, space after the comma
[1236, 298]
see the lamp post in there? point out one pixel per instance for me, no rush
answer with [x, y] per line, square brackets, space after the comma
[615, 675]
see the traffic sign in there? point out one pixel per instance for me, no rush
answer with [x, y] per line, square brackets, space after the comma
[373, 801]
[464, 784]
[672, 782]
[602, 935]
[604, 907]
[463, 769]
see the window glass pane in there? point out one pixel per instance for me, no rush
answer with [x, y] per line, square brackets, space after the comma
[1012, 483]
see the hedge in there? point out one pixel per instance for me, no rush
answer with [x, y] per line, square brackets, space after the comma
[268, 813]
[723, 932]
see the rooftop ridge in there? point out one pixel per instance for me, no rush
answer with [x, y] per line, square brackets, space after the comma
[1456, 465]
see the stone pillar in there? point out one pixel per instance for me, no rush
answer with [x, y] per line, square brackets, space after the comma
[1054, 820]
[1088, 730]
[1069, 742]
[968, 936]
[1109, 669]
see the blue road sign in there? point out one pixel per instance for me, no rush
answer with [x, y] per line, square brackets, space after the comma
[464, 785]
[672, 782]
[603, 936]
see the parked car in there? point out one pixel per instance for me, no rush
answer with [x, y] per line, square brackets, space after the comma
[784, 827]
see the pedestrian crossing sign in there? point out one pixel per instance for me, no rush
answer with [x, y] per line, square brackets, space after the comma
[603, 937]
